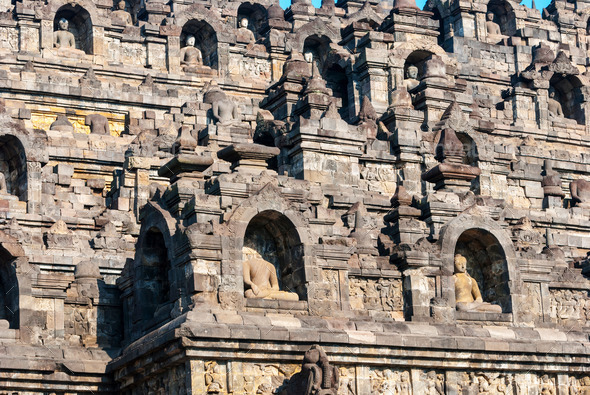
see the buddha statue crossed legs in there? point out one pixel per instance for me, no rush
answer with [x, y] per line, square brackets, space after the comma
[467, 292]
[63, 38]
[261, 278]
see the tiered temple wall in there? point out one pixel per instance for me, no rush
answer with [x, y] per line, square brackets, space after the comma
[194, 193]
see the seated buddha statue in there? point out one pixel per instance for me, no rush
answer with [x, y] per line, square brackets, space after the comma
[190, 56]
[467, 292]
[64, 40]
[260, 278]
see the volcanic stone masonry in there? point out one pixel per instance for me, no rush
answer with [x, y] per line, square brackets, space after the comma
[225, 197]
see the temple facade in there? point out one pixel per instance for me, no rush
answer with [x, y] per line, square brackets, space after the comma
[225, 197]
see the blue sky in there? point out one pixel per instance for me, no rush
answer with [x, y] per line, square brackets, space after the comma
[539, 3]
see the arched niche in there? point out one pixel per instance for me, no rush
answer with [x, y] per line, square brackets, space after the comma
[417, 59]
[13, 166]
[415, 51]
[319, 47]
[332, 69]
[503, 15]
[255, 13]
[153, 277]
[277, 240]
[205, 40]
[568, 93]
[80, 25]
[15, 285]
[9, 291]
[471, 156]
[486, 263]
[492, 259]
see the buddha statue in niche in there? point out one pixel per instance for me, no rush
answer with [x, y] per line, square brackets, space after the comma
[493, 29]
[467, 292]
[121, 14]
[245, 35]
[260, 278]
[63, 38]
[580, 190]
[411, 80]
[3, 188]
[190, 56]
[225, 111]
[554, 107]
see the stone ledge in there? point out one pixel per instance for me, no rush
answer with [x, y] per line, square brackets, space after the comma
[483, 316]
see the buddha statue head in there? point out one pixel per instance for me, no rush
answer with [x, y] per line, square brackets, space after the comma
[63, 24]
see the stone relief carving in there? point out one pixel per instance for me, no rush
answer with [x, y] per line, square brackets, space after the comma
[569, 304]
[488, 383]
[533, 301]
[435, 383]
[579, 385]
[266, 379]
[214, 378]
[347, 381]
[376, 294]
[390, 382]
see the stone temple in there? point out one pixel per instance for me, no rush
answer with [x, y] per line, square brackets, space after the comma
[225, 197]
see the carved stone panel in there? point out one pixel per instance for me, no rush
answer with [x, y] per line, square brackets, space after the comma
[569, 306]
[389, 381]
[383, 294]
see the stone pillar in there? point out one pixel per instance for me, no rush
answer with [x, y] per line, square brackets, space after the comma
[46, 34]
[98, 44]
[29, 37]
[173, 54]
[156, 53]
[373, 71]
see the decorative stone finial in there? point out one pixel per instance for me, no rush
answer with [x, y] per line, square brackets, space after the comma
[449, 148]
[316, 83]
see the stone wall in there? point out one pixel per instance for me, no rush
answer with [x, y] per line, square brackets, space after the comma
[158, 174]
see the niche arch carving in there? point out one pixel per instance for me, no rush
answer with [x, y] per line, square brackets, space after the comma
[80, 25]
[268, 214]
[197, 13]
[256, 14]
[22, 154]
[315, 28]
[402, 50]
[149, 283]
[15, 284]
[503, 11]
[455, 238]
[568, 90]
